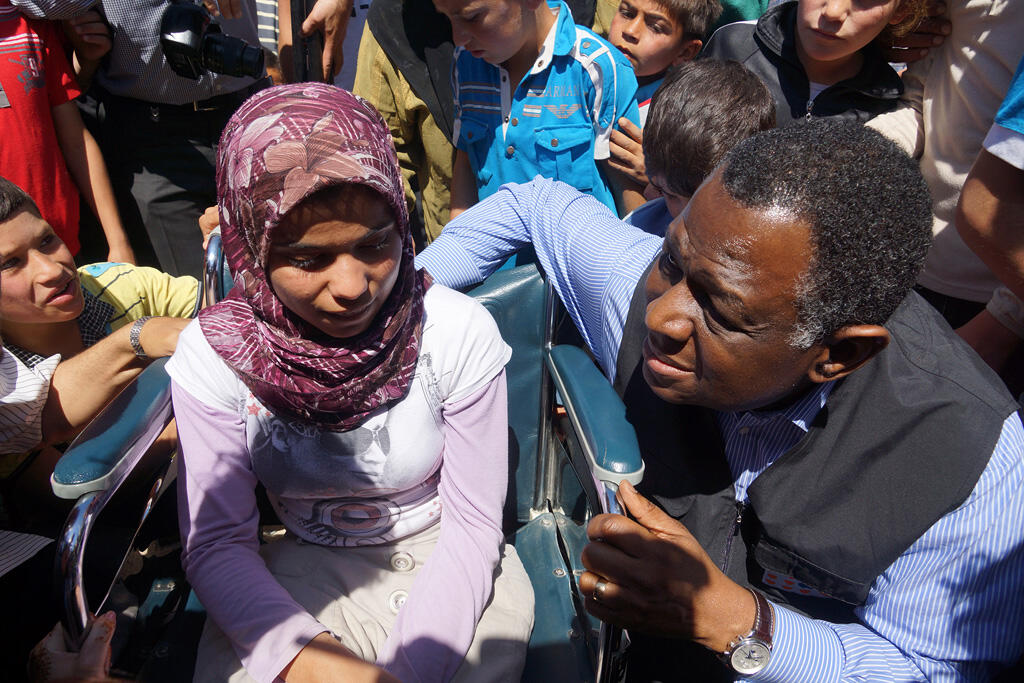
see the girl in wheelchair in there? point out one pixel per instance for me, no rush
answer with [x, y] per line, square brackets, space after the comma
[369, 403]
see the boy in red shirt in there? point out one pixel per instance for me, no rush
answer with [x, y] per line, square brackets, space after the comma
[45, 148]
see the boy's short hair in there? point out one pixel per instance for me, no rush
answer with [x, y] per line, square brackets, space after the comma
[14, 199]
[695, 17]
[700, 111]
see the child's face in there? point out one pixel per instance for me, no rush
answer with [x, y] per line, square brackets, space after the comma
[675, 203]
[644, 31]
[40, 281]
[831, 30]
[492, 30]
[337, 272]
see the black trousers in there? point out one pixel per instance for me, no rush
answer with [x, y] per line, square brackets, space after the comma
[162, 163]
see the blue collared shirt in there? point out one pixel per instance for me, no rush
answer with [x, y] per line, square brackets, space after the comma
[947, 609]
[557, 122]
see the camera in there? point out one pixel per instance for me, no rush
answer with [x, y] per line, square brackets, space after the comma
[193, 43]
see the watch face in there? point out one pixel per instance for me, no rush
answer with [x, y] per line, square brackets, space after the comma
[750, 657]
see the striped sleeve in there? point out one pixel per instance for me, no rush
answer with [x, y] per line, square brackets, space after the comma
[23, 393]
[593, 259]
[949, 608]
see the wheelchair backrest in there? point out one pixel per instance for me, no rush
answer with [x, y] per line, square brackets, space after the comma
[515, 298]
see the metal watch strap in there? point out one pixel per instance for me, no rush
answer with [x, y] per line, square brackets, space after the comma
[135, 334]
[760, 634]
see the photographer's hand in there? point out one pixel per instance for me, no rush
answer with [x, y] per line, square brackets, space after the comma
[330, 17]
[229, 9]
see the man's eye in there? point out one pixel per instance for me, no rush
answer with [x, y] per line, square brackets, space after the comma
[668, 264]
[659, 28]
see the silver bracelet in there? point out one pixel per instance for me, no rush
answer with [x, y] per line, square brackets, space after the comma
[134, 335]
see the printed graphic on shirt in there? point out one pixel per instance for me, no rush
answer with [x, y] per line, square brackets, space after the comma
[25, 52]
[32, 75]
[790, 585]
[372, 483]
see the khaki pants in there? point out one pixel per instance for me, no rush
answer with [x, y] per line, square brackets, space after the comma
[357, 592]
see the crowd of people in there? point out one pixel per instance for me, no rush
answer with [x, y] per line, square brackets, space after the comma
[789, 234]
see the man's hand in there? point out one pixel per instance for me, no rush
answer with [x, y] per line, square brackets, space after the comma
[89, 35]
[50, 659]
[229, 9]
[330, 17]
[659, 580]
[628, 151]
[931, 32]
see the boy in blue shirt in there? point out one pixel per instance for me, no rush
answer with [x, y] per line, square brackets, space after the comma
[535, 95]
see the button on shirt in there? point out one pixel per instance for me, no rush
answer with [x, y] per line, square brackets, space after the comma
[556, 123]
[941, 611]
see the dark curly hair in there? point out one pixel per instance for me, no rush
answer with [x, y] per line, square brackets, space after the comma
[868, 208]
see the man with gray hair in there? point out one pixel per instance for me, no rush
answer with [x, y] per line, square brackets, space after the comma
[833, 479]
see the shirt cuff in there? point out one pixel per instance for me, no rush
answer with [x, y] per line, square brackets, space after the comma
[803, 649]
[449, 263]
[1006, 144]
[1005, 307]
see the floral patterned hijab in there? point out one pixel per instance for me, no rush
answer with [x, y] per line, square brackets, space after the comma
[283, 145]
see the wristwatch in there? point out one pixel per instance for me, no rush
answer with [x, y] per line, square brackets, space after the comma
[749, 654]
[134, 335]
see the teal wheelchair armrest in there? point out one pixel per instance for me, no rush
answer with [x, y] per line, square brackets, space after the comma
[113, 444]
[598, 416]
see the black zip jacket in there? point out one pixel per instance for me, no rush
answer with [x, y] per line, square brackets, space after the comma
[768, 48]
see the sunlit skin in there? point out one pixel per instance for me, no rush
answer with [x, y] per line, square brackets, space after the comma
[831, 33]
[505, 33]
[39, 275]
[721, 306]
[644, 31]
[334, 264]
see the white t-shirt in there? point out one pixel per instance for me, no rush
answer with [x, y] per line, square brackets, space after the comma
[375, 483]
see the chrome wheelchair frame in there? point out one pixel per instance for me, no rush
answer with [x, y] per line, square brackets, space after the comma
[559, 482]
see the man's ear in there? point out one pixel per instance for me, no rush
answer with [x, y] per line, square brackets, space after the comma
[688, 51]
[846, 350]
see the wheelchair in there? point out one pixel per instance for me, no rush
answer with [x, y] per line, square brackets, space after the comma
[569, 447]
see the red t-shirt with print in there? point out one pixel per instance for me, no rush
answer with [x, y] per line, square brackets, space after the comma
[35, 77]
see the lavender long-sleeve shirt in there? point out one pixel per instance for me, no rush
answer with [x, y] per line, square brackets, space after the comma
[460, 372]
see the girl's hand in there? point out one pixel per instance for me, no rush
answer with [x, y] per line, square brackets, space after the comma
[628, 151]
[324, 660]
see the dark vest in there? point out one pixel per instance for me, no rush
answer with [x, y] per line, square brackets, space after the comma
[900, 443]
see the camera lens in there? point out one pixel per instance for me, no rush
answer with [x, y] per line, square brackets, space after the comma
[231, 56]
